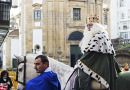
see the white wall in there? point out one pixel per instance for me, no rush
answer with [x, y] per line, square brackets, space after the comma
[37, 39]
[113, 19]
[14, 47]
[116, 18]
[16, 8]
[37, 1]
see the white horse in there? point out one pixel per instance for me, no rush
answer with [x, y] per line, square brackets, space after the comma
[26, 69]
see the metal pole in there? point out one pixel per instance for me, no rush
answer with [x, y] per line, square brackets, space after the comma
[24, 77]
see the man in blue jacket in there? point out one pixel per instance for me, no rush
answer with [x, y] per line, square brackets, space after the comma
[47, 80]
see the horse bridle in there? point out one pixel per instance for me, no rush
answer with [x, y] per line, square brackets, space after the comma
[24, 72]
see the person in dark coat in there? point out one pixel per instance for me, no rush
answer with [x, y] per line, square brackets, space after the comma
[98, 60]
[5, 79]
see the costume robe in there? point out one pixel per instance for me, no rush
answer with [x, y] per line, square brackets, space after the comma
[97, 62]
[45, 81]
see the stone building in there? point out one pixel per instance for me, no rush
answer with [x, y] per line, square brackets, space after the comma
[10, 46]
[5, 6]
[54, 27]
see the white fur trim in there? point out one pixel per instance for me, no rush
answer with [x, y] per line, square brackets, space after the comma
[89, 35]
[100, 43]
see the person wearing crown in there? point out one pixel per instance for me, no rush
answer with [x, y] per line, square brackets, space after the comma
[98, 61]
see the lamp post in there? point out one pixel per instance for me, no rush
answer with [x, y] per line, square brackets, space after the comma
[44, 51]
[59, 52]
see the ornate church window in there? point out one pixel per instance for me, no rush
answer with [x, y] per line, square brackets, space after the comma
[76, 13]
[37, 15]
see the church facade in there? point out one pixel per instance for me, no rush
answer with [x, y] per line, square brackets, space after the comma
[55, 27]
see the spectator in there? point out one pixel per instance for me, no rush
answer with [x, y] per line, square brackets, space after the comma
[126, 67]
[6, 80]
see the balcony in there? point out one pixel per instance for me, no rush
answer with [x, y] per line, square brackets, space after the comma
[5, 6]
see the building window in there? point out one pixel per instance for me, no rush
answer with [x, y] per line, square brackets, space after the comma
[122, 16]
[124, 35]
[125, 27]
[122, 3]
[4, 11]
[76, 13]
[105, 15]
[119, 28]
[105, 19]
[128, 13]
[37, 15]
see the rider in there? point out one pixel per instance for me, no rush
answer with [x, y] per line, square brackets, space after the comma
[98, 61]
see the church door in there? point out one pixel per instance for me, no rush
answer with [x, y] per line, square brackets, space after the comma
[75, 54]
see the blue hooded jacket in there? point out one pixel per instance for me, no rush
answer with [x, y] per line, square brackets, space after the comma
[45, 81]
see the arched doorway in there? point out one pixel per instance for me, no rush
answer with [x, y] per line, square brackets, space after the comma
[75, 52]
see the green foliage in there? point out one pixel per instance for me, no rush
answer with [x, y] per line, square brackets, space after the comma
[124, 47]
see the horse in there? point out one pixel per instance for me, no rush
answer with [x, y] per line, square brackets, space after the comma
[70, 78]
[26, 71]
[79, 80]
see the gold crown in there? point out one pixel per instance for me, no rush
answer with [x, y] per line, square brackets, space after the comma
[93, 19]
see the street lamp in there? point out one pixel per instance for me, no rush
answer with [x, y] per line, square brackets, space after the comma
[5, 6]
[44, 51]
[59, 52]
